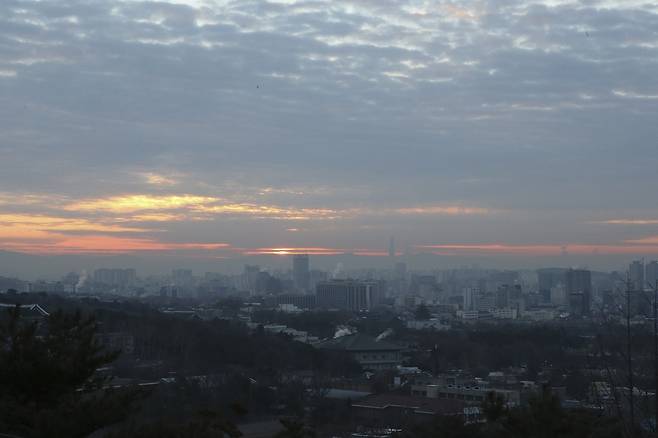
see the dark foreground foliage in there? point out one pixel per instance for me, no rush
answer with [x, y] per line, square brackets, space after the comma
[542, 418]
[48, 380]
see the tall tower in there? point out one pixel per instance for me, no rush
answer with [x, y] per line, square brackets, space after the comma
[391, 248]
[300, 272]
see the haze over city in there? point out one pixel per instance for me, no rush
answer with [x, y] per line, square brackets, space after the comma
[514, 133]
[328, 218]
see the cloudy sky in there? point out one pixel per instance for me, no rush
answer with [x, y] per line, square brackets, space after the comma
[219, 128]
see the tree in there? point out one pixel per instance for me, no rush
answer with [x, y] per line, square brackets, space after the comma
[49, 382]
[493, 407]
[542, 418]
[205, 424]
[295, 429]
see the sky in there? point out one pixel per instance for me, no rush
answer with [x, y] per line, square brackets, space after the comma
[216, 129]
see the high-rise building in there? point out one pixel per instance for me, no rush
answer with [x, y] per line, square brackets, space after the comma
[636, 275]
[579, 291]
[651, 271]
[250, 278]
[559, 295]
[115, 277]
[182, 277]
[300, 272]
[316, 276]
[298, 300]
[470, 298]
[502, 296]
[486, 301]
[398, 284]
[547, 279]
[353, 295]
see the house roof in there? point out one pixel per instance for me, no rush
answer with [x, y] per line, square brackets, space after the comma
[345, 394]
[420, 405]
[358, 342]
[32, 309]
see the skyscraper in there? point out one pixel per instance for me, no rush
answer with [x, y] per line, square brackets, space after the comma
[547, 279]
[470, 295]
[300, 272]
[636, 275]
[579, 291]
[182, 277]
[250, 278]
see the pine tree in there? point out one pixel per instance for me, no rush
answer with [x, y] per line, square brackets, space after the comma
[49, 382]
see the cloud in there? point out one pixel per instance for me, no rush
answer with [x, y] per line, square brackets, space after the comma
[268, 211]
[16, 223]
[448, 210]
[460, 13]
[634, 95]
[366, 115]
[26, 199]
[628, 222]
[199, 207]
[157, 217]
[158, 180]
[137, 203]
[161, 207]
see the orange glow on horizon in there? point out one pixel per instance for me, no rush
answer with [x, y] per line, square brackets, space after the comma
[292, 251]
[651, 240]
[316, 251]
[127, 223]
[98, 244]
[543, 250]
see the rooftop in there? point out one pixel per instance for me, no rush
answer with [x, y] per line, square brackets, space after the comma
[32, 309]
[420, 405]
[358, 342]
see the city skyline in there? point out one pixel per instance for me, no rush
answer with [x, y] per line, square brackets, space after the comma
[215, 130]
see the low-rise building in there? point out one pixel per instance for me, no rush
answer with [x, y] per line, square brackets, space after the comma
[369, 352]
[296, 335]
[505, 313]
[352, 295]
[468, 394]
[399, 410]
[430, 324]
